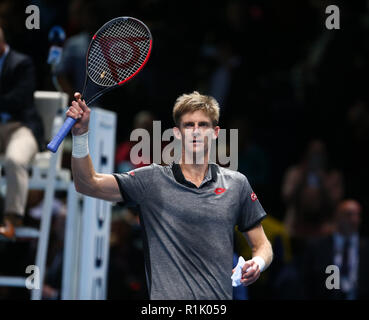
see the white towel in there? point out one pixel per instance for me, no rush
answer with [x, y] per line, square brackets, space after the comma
[236, 276]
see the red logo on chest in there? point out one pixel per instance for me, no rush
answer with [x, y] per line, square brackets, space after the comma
[219, 190]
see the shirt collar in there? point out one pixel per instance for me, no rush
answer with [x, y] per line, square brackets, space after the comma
[178, 175]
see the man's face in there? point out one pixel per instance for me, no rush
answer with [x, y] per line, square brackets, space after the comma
[196, 131]
[349, 217]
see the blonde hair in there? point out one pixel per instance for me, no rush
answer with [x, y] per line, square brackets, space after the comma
[189, 103]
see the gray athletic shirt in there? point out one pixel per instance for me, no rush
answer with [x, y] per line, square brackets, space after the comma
[188, 230]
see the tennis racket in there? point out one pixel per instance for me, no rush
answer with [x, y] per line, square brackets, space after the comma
[117, 52]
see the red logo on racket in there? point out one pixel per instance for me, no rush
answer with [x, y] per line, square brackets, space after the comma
[120, 52]
[219, 190]
[253, 196]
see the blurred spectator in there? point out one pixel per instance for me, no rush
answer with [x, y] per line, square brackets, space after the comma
[253, 159]
[353, 152]
[142, 120]
[20, 131]
[71, 70]
[221, 79]
[126, 273]
[12, 18]
[310, 190]
[344, 248]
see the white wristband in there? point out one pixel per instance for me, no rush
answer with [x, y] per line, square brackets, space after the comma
[80, 146]
[260, 261]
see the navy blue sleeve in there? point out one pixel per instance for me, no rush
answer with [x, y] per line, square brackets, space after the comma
[251, 212]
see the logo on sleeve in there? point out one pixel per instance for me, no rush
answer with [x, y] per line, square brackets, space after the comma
[253, 196]
[132, 173]
[219, 190]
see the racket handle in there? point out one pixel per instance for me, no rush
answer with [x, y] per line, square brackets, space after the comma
[62, 133]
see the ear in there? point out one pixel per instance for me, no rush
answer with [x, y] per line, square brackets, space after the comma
[216, 132]
[177, 133]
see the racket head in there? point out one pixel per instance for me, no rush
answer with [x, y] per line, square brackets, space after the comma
[118, 51]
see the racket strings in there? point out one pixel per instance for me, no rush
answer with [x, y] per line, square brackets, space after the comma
[118, 51]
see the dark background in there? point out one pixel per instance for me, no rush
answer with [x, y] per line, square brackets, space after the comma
[288, 80]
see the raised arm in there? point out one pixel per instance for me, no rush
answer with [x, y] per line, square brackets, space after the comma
[86, 180]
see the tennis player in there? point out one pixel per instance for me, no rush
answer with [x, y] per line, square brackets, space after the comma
[188, 209]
